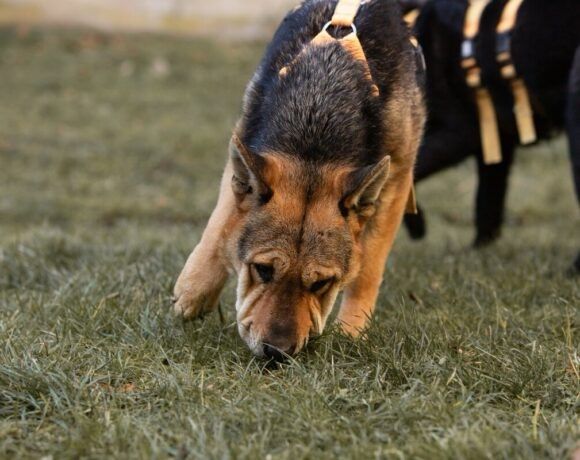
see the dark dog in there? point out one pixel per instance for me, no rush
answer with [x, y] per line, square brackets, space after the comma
[308, 206]
[546, 53]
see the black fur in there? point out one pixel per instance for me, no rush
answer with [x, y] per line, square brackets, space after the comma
[323, 110]
[545, 42]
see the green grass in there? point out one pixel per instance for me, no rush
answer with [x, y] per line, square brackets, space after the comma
[108, 171]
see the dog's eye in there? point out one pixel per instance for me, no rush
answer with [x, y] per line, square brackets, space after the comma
[265, 272]
[321, 285]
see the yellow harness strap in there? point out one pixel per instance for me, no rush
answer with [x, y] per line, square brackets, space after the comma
[345, 13]
[490, 140]
[411, 207]
[522, 106]
[411, 17]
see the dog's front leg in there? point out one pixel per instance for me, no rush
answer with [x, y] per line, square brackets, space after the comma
[361, 295]
[573, 129]
[205, 273]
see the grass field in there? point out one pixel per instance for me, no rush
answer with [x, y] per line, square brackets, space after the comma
[110, 154]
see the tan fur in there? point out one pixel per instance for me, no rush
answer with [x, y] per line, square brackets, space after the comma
[205, 273]
[312, 228]
[264, 308]
[261, 308]
[361, 295]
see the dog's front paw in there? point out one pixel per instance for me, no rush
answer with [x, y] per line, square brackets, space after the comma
[190, 302]
[352, 325]
[200, 283]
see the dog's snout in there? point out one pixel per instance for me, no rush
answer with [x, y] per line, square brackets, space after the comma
[280, 340]
[277, 354]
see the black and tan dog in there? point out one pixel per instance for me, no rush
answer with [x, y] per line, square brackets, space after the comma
[545, 47]
[317, 181]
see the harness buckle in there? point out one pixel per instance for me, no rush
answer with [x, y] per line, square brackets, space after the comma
[329, 23]
[468, 49]
[503, 43]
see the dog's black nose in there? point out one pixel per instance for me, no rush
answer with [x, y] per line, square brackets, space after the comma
[274, 353]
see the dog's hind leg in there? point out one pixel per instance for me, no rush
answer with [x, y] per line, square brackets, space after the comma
[491, 196]
[573, 128]
[361, 295]
[205, 273]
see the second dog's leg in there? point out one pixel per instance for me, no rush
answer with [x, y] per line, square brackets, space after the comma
[205, 273]
[441, 149]
[573, 129]
[361, 295]
[491, 196]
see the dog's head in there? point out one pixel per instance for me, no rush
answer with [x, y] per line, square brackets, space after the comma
[297, 244]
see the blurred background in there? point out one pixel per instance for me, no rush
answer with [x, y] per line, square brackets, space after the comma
[248, 18]
[119, 112]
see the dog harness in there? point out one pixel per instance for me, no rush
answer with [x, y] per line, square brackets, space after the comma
[490, 138]
[344, 16]
[522, 106]
[411, 17]
[490, 141]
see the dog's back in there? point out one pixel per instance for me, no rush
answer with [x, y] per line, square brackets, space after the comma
[543, 46]
[544, 43]
[324, 109]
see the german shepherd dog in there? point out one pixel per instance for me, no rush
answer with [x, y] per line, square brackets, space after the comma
[319, 174]
[546, 53]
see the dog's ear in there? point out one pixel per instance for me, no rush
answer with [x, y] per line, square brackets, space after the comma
[364, 187]
[248, 169]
